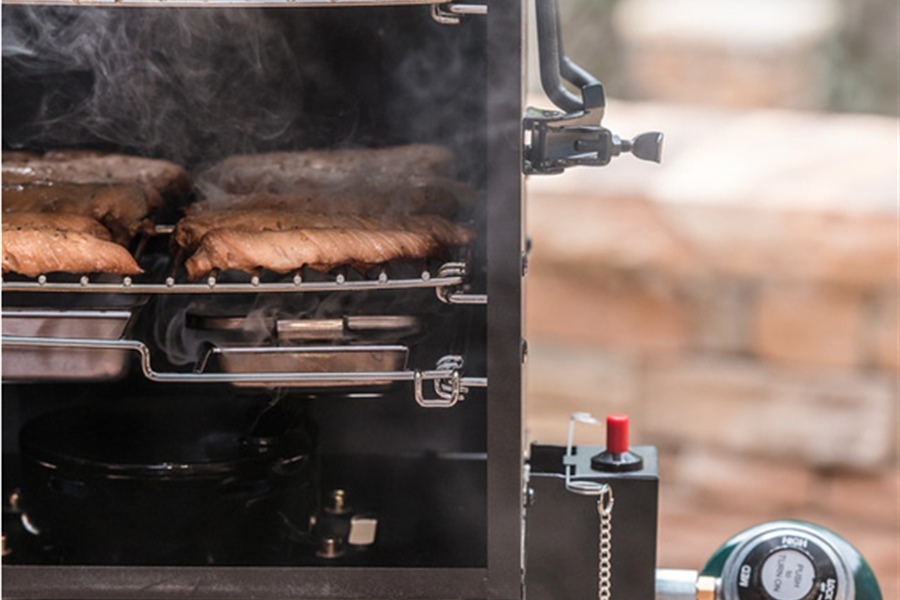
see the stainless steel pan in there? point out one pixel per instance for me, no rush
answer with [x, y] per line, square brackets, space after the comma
[21, 364]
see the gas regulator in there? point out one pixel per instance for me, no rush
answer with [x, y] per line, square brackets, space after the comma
[781, 560]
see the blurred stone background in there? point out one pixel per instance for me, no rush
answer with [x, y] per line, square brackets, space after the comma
[739, 301]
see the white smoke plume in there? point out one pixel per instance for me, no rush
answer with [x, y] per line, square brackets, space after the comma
[184, 84]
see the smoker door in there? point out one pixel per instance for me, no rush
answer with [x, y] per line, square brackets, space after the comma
[499, 576]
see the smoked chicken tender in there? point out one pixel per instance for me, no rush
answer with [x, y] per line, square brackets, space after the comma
[88, 166]
[123, 208]
[322, 249]
[32, 252]
[282, 172]
[63, 221]
[190, 230]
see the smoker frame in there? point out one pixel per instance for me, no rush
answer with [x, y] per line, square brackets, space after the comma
[503, 576]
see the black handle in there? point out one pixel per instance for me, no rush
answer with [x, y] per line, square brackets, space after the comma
[556, 66]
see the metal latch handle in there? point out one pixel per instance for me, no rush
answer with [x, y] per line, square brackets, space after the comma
[555, 65]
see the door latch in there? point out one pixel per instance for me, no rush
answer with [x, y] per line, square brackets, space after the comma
[556, 140]
[573, 135]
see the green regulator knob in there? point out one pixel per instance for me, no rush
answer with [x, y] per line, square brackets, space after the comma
[787, 560]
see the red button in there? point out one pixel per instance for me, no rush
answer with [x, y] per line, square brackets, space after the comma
[617, 434]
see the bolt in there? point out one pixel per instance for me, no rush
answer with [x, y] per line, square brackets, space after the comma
[330, 547]
[337, 503]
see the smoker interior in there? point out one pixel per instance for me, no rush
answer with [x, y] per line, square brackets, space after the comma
[444, 484]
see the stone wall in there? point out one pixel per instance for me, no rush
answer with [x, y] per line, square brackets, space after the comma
[740, 302]
[761, 53]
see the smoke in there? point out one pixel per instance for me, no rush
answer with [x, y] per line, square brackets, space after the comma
[194, 85]
[182, 330]
[184, 327]
[184, 84]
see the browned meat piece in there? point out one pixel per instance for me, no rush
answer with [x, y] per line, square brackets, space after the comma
[121, 207]
[190, 230]
[64, 154]
[86, 166]
[63, 221]
[281, 172]
[284, 251]
[32, 252]
[370, 197]
[20, 156]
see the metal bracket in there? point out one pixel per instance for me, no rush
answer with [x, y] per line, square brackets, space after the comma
[449, 295]
[449, 390]
[453, 294]
[450, 13]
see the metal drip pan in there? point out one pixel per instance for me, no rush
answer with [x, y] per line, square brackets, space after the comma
[334, 363]
[23, 364]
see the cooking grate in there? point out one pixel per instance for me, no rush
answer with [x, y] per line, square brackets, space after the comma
[296, 3]
[449, 386]
[442, 11]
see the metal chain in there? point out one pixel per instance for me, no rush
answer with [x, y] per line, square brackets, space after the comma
[604, 570]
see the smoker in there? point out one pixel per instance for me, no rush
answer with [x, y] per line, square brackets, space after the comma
[145, 455]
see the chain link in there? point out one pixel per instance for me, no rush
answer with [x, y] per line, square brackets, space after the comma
[604, 567]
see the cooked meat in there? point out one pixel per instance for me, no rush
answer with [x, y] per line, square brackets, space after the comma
[369, 197]
[35, 251]
[64, 154]
[282, 172]
[191, 229]
[63, 221]
[323, 249]
[20, 156]
[401, 180]
[86, 166]
[121, 207]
